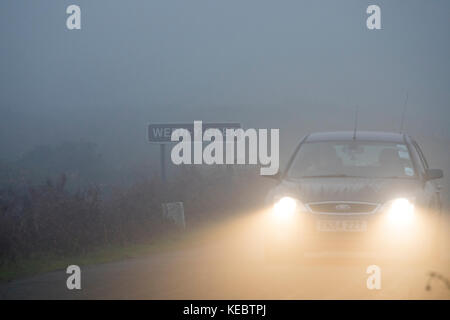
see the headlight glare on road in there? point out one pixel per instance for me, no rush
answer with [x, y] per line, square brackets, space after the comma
[400, 212]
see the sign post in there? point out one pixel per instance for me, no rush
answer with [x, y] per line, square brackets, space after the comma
[162, 150]
[161, 134]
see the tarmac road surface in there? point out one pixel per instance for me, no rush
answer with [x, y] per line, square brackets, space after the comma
[230, 265]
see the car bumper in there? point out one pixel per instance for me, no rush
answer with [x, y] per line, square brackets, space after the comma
[373, 233]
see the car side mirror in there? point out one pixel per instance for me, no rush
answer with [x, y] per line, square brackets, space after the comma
[432, 174]
[276, 176]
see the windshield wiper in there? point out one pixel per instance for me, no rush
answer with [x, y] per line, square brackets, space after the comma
[333, 176]
[396, 177]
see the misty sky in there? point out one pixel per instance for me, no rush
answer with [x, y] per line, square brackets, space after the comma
[296, 65]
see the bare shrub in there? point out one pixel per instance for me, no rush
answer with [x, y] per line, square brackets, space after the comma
[50, 219]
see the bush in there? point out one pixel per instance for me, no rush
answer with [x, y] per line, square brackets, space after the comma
[49, 219]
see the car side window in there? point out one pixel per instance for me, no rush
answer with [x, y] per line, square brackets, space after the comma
[421, 156]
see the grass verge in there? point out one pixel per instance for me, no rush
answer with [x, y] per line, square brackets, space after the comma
[41, 263]
[190, 238]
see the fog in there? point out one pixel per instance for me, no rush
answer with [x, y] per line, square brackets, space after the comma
[80, 182]
[300, 66]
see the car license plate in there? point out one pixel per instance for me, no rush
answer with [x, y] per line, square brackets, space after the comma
[342, 225]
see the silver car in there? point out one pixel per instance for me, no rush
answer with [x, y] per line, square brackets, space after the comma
[368, 191]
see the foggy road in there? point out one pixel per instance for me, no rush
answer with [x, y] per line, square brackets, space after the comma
[116, 117]
[229, 265]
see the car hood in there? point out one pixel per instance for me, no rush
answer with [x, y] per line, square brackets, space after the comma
[348, 189]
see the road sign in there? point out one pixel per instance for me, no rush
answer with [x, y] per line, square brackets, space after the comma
[161, 133]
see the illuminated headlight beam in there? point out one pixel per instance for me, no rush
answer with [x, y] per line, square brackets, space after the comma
[401, 212]
[285, 207]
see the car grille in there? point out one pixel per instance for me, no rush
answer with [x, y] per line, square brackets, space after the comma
[343, 207]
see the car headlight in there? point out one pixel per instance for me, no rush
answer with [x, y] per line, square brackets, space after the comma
[286, 207]
[400, 211]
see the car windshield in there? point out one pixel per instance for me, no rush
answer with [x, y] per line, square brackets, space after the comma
[352, 159]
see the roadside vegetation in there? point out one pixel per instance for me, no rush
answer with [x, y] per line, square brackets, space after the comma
[44, 225]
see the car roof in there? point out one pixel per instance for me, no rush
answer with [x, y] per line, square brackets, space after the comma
[360, 136]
